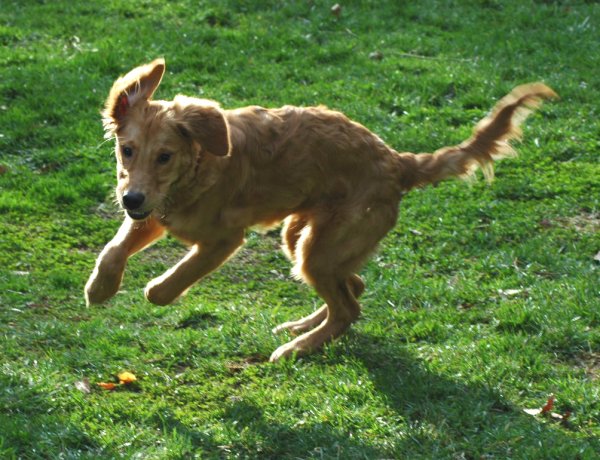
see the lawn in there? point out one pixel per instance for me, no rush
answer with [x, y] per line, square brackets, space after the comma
[483, 301]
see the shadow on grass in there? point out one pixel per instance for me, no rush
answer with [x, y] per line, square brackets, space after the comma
[197, 320]
[265, 438]
[459, 419]
[441, 417]
[252, 435]
[32, 427]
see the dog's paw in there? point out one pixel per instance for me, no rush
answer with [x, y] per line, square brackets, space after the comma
[279, 329]
[290, 326]
[156, 293]
[99, 289]
[287, 351]
[278, 355]
[105, 280]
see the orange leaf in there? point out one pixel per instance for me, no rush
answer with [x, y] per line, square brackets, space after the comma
[126, 378]
[107, 386]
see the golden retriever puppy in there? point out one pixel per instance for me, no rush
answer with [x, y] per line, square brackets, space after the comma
[205, 175]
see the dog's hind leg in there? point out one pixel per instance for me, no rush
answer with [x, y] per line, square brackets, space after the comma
[290, 234]
[303, 324]
[296, 228]
[356, 286]
[341, 310]
[328, 252]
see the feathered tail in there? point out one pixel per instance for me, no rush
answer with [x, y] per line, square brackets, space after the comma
[489, 142]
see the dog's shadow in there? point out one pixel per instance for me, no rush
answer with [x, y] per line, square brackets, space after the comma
[436, 413]
[422, 396]
[454, 414]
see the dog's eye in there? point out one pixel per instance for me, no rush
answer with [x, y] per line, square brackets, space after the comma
[127, 152]
[164, 158]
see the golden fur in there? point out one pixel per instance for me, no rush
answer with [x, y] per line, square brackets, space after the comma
[205, 175]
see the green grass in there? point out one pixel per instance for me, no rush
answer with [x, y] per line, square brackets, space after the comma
[445, 358]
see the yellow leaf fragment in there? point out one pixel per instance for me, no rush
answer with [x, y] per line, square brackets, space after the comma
[126, 378]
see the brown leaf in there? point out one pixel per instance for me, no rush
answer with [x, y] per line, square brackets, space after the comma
[542, 410]
[549, 405]
[83, 385]
[336, 10]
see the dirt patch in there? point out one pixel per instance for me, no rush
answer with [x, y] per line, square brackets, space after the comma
[584, 223]
[238, 366]
[590, 363]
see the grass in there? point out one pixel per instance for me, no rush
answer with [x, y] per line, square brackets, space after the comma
[482, 302]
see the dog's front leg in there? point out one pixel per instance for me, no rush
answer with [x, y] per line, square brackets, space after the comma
[202, 259]
[133, 236]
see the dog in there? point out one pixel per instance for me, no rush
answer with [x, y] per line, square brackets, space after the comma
[205, 175]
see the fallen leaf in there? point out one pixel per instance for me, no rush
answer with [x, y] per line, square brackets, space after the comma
[549, 405]
[83, 385]
[509, 292]
[376, 56]
[107, 386]
[533, 411]
[542, 410]
[560, 417]
[126, 378]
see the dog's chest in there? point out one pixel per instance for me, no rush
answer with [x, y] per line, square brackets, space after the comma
[205, 223]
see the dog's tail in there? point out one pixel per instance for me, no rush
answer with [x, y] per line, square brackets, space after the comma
[489, 142]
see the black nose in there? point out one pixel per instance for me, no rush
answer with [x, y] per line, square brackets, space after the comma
[133, 200]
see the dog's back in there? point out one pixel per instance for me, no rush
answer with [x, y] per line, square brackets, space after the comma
[306, 158]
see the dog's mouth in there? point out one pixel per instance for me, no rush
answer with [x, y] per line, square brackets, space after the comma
[138, 215]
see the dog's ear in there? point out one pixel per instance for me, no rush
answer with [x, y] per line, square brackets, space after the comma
[137, 85]
[204, 122]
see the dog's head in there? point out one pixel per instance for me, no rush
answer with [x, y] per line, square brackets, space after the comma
[160, 145]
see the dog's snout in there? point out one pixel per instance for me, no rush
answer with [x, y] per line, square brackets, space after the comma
[133, 200]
